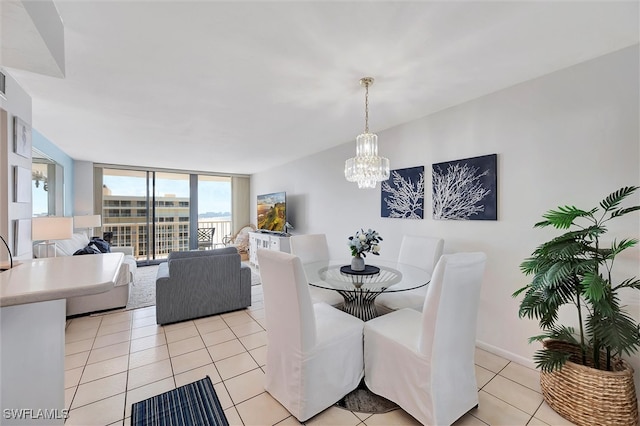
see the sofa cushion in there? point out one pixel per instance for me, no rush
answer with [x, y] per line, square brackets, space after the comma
[73, 244]
[197, 253]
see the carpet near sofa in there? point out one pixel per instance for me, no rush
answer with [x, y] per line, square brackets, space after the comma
[143, 291]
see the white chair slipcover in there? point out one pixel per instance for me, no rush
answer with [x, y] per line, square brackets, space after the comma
[423, 252]
[314, 351]
[312, 248]
[424, 362]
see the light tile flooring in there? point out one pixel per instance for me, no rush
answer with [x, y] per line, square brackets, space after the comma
[116, 359]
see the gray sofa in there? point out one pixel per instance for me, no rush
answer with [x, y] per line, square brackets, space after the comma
[193, 284]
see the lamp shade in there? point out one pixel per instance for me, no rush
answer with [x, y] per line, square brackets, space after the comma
[87, 221]
[51, 228]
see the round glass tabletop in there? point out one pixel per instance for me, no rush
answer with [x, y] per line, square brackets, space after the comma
[393, 276]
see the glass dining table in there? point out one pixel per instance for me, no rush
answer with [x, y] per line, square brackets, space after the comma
[360, 289]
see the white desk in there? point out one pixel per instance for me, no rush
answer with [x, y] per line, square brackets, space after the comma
[32, 322]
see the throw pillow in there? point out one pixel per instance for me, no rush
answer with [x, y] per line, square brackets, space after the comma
[101, 245]
[90, 249]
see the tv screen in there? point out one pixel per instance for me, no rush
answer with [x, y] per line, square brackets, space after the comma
[272, 211]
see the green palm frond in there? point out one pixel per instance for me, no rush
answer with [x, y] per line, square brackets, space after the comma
[537, 305]
[519, 291]
[591, 233]
[615, 198]
[532, 305]
[593, 286]
[544, 304]
[559, 273]
[606, 306]
[563, 217]
[622, 212]
[580, 236]
[562, 249]
[630, 283]
[618, 247]
[618, 332]
[542, 224]
[576, 242]
[530, 266]
[566, 334]
[549, 360]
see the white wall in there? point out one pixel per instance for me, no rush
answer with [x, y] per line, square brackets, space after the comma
[83, 188]
[17, 103]
[570, 137]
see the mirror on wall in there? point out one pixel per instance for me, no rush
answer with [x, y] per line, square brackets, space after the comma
[47, 185]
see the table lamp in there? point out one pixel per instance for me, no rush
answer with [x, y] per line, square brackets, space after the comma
[87, 222]
[47, 229]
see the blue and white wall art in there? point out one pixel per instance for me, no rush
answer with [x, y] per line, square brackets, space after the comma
[466, 189]
[403, 194]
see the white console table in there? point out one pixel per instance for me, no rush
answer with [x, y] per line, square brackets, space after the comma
[32, 325]
[260, 240]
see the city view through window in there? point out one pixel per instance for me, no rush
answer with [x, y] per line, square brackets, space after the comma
[148, 209]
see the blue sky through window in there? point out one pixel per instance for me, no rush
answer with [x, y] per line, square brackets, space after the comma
[213, 195]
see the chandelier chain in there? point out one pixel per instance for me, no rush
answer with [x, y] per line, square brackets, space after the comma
[366, 108]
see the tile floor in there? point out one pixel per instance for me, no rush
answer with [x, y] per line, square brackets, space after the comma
[116, 359]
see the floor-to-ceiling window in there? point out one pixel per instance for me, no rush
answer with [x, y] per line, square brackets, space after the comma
[214, 206]
[125, 212]
[157, 212]
[171, 200]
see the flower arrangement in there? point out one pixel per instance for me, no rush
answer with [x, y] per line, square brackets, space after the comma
[365, 242]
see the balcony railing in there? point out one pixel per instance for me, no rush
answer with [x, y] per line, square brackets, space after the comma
[171, 236]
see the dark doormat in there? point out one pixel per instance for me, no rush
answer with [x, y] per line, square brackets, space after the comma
[362, 400]
[189, 405]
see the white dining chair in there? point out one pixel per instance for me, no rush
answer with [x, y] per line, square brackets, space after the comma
[423, 252]
[424, 362]
[314, 351]
[312, 248]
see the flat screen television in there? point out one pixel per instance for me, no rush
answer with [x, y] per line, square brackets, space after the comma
[272, 212]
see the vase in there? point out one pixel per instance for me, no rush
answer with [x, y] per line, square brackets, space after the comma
[357, 263]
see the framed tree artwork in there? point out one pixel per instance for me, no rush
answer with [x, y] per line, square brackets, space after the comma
[22, 237]
[21, 137]
[466, 189]
[403, 194]
[22, 185]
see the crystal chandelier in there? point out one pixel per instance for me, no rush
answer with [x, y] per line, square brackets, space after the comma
[366, 168]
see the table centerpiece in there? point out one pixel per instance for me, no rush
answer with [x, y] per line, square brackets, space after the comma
[361, 243]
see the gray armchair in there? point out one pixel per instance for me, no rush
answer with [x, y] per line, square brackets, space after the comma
[195, 284]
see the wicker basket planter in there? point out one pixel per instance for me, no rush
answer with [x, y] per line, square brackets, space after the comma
[588, 396]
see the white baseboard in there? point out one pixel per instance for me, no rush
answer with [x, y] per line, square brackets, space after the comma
[527, 362]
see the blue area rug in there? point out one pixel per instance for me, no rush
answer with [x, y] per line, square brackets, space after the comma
[192, 404]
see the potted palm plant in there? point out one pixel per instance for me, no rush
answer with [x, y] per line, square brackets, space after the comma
[583, 376]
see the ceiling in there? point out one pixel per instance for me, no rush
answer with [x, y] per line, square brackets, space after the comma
[240, 87]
